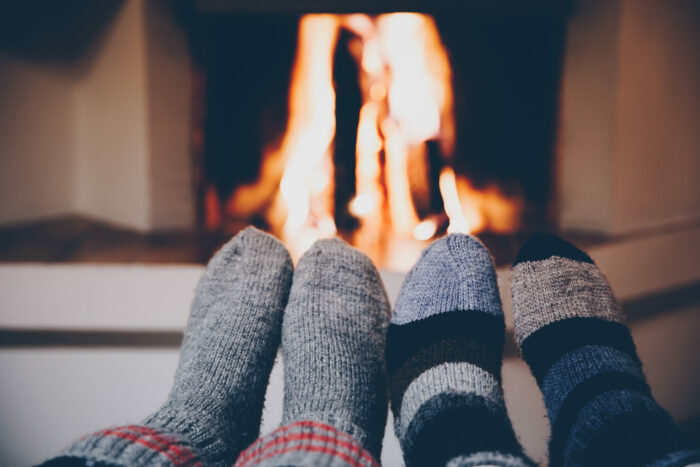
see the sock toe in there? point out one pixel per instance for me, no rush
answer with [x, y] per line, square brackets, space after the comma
[332, 271]
[551, 281]
[454, 273]
[250, 243]
[542, 246]
[335, 252]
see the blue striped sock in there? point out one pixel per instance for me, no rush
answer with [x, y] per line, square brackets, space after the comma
[444, 354]
[572, 334]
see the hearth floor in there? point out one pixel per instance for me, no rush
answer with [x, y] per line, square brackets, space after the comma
[80, 239]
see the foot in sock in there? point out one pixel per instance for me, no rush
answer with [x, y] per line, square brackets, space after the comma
[444, 355]
[572, 335]
[333, 343]
[214, 408]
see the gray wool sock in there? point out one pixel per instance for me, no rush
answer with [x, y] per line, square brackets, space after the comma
[333, 341]
[214, 408]
[444, 355]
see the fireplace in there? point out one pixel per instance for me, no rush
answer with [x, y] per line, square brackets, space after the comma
[387, 129]
[118, 118]
[171, 125]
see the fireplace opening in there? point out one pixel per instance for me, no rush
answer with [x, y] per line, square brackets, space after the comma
[174, 125]
[385, 129]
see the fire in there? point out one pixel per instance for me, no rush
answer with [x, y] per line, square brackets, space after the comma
[420, 93]
[453, 206]
[407, 110]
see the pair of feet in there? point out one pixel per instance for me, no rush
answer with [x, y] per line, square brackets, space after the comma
[443, 349]
[330, 316]
[444, 355]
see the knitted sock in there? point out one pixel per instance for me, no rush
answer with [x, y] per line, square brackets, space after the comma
[444, 356]
[214, 408]
[333, 340]
[572, 334]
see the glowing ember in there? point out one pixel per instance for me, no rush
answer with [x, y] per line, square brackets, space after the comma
[453, 206]
[405, 81]
[425, 230]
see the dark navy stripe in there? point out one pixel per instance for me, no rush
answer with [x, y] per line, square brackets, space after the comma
[543, 246]
[444, 351]
[451, 425]
[579, 397]
[74, 461]
[548, 344]
[637, 437]
[681, 458]
[404, 341]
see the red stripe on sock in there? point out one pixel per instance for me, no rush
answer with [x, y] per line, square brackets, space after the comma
[322, 450]
[263, 443]
[169, 447]
[306, 436]
[336, 438]
[314, 425]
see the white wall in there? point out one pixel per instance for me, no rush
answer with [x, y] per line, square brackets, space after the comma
[105, 135]
[629, 144]
[587, 136]
[169, 109]
[49, 397]
[112, 132]
[37, 148]
[658, 133]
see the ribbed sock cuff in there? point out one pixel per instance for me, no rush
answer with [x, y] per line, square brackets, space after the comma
[306, 443]
[489, 458]
[682, 458]
[454, 425]
[131, 445]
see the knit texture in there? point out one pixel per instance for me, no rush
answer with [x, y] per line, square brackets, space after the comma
[444, 355]
[333, 343]
[572, 334]
[306, 443]
[214, 408]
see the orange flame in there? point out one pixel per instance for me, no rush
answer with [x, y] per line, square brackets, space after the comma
[406, 86]
[454, 208]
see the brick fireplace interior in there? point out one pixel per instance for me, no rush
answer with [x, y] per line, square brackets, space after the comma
[145, 133]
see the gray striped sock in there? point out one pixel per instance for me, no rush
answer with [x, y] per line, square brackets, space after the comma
[572, 335]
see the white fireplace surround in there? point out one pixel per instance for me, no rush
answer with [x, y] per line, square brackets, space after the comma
[106, 135]
[51, 395]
